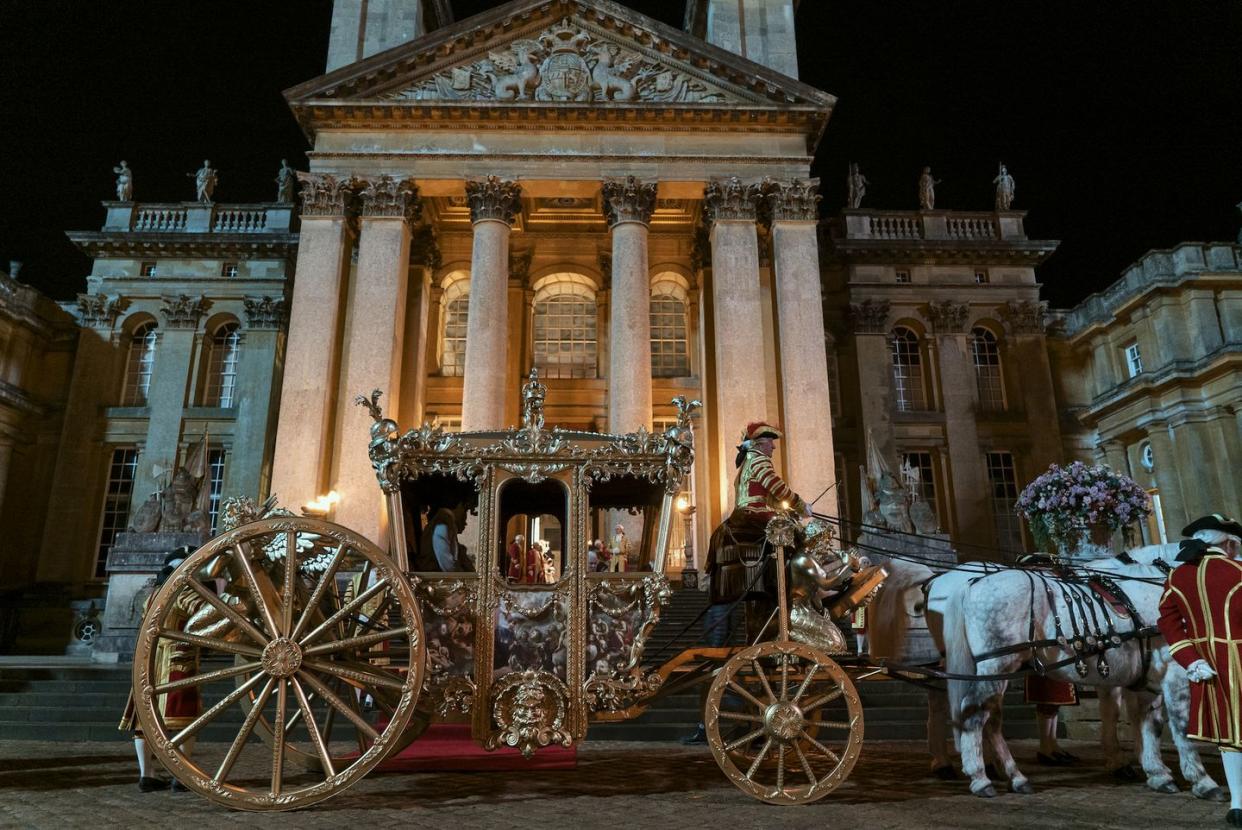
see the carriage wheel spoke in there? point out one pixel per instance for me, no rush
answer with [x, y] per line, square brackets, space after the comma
[327, 580]
[750, 773]
[316, 738]
[214, 712]
[356, 642]
[360, 625]
[210, 643]
[347, 672]
[784, 676]
[278, 736]
[806, 681]
[742, 716]
[822, 699]
[241, 555]
[745, 739]
[832, 756]
[345, 610]
[338, 704]
[746, 694]
[209, 677]
[806, 765]
[291, 578]
[780, 766]
[231, 614]
[297, 715]
[833, 724]
[763, 678]
[252, 717]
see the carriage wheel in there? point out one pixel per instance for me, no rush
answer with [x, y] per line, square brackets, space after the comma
[784, 722]
[312, 656]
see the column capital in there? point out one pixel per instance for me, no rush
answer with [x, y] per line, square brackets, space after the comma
[325, 195]
[425, 247]
[869, 316]
[947, 317]
[795, 200]
[184, 311]
[493, 198]
[1024, 316]
[265, 312]
[730, 199]
[100, 310]
[391, 197]
[628, 200]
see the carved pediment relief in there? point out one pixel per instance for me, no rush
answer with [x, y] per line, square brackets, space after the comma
[570, 61]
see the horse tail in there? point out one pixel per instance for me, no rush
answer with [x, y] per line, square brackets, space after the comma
[967, 698]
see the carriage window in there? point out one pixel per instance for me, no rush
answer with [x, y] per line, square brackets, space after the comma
[438, 511]
[532, 531]
[623, 520]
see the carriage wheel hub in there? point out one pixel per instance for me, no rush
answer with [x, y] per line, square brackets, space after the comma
[783, 721]
[282, 657]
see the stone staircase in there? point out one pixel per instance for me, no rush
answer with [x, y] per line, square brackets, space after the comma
[84, 702]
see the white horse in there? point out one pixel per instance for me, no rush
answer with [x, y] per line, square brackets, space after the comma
[914, 593]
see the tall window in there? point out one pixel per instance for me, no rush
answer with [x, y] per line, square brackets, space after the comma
[117, 500]
[215, 482]
[985, 352]
[138, 365]
[1134, 360]
[1003, 486]
[920, 463]
[907, 359]
[454, 305]
[565, 344]
[223, 351]
[670, 355]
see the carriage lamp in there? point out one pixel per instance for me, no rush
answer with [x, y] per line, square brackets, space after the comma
[689, 573]
[322, 507]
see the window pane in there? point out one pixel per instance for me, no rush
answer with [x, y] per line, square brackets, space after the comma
[139, 364]
[117, 501]
[1003, 486]
[453, 341]
[907, 361]
[669, 352]
[565, 336]
[985, 353]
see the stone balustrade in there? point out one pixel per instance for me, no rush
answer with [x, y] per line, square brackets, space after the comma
[198, 217]
[915, 225]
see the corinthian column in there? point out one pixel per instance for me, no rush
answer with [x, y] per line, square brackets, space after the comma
[628, 205]
[729, 211]
[374, 339]
[312, 359]
[793, 208]
[493, 207]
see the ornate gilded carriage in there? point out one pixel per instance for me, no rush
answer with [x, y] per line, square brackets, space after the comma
[494, 608]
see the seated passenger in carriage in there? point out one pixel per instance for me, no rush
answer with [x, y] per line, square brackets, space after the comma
[439, 549]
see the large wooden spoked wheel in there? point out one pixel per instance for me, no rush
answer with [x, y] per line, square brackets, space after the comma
[328, 631]
[784, 722]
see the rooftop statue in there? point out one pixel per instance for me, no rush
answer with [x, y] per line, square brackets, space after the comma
[927, 190]
[1004, 189]
[124, 183]
[286, 183]
[204, 182]
[856, 186]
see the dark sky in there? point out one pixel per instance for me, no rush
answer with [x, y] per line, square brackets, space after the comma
[1121, 122]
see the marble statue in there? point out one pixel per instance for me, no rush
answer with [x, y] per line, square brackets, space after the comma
[286, 183]
[1004, 189]
[927, 190]
[856, 184]
[204, 181]
[124, 183]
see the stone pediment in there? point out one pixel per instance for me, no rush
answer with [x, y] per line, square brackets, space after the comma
[555, 54]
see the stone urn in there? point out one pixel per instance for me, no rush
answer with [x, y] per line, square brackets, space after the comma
[1091, 540]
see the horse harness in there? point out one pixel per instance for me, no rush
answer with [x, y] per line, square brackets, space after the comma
[1091, 631]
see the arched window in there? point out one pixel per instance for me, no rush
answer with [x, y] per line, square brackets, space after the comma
[985, 353]
[565, 339]
[454, 305]
[138, 365]
[220, 378]
[908, 392]
[670, 353]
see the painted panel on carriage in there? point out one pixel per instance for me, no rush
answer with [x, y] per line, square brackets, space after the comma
[531, 630]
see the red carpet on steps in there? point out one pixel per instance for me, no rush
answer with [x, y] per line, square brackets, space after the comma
[449, 747]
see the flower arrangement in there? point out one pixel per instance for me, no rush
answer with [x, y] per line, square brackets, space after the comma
[1066, 504]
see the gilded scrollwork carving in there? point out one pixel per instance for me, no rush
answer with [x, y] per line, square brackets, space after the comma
[566, 63]
[530, 709]
[621, 615]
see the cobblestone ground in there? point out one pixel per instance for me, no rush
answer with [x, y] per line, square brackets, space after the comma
[616, 785]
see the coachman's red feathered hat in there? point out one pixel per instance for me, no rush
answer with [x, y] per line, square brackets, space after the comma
[758, 429]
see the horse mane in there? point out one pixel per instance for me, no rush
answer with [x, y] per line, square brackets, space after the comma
[887, 620]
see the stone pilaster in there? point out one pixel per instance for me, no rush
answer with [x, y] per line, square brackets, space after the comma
[166, 397]
[628, 205]
[792, 208]
[494, 204]
[300, 469]
[374, 334]
[729, 209]
[970, 481]
[248, 472]
[1165, 469]
[424, 260]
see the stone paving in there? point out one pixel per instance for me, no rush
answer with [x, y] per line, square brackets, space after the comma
[616, 785]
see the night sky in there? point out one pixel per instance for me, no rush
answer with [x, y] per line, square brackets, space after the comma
[1121, 122]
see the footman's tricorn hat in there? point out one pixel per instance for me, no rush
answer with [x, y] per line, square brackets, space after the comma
[758, 429]
[1215, 521]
